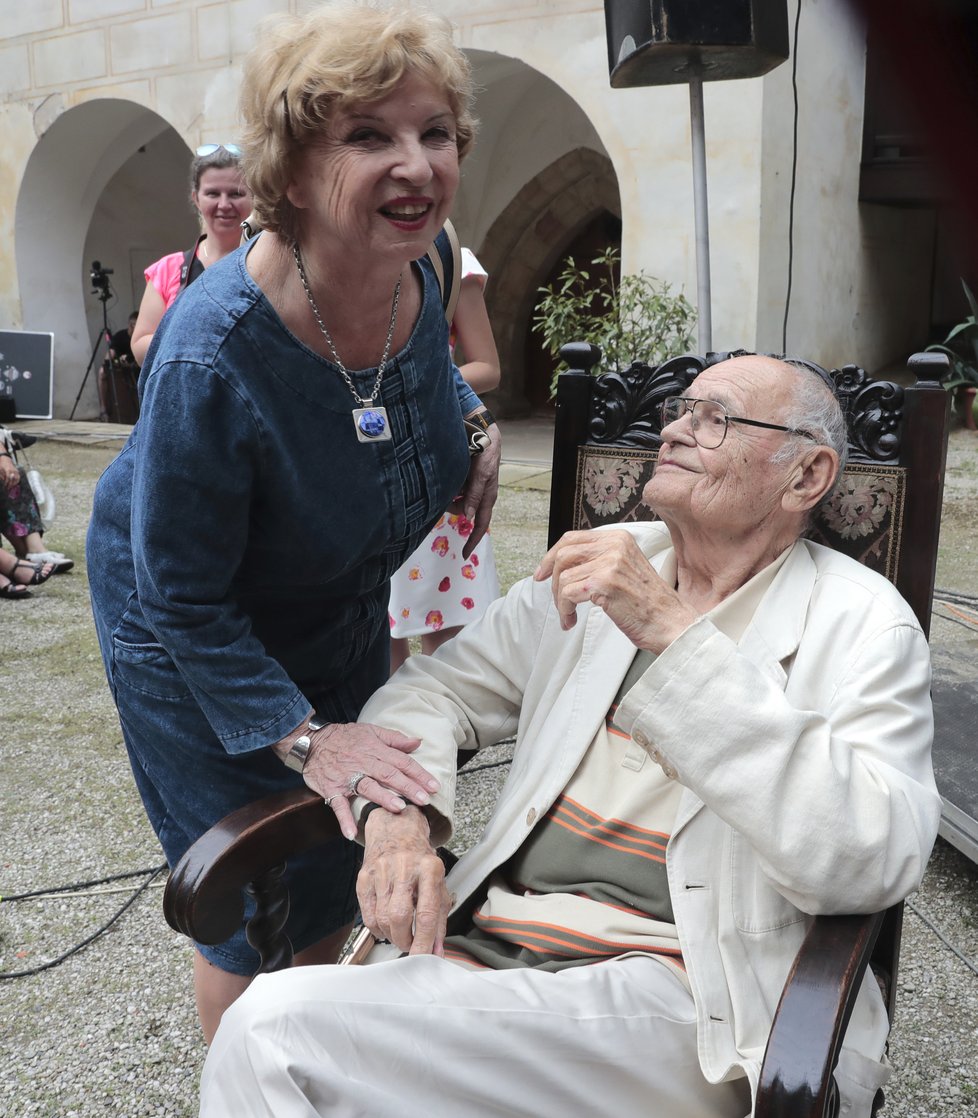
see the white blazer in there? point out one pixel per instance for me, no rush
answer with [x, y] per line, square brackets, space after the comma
[804, 753]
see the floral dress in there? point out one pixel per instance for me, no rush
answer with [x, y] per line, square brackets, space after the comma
[19, 514]
[436, 588]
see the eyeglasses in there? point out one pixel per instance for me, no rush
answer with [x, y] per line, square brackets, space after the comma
[710, 420]
[210, 149]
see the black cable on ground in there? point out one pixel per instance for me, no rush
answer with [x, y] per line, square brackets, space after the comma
[957, 596]
[965, 623]
[940, 935]
[80, 885]
[466, 771]
[152, 875]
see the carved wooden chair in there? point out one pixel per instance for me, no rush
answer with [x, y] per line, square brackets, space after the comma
[886, 512]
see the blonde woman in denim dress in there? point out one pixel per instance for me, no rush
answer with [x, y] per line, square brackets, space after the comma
[300, 431]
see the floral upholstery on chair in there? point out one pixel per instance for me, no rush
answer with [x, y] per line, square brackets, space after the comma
[863, 517]
[609, 486]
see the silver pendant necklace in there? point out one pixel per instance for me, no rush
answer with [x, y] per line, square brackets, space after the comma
[371, 423]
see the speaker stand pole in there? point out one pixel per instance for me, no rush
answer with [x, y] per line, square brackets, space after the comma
[697, 130]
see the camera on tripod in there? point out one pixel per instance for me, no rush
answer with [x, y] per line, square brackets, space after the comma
[100, 280]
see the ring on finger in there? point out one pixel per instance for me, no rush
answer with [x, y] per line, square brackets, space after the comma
[329, 799]
[351, 784]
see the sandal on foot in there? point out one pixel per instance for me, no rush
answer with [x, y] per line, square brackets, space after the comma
[40, 572]
[13, 591]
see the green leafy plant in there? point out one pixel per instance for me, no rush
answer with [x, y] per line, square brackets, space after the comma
[636, 318]
[964, 352]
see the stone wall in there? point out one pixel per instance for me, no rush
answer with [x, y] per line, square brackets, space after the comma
[99, 99]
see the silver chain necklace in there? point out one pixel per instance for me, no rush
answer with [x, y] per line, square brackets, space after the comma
[371, 423]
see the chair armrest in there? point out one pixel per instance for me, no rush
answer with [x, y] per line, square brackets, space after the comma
[204, 893]
[796, 1078]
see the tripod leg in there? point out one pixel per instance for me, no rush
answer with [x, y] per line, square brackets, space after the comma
[111, 367]
[104, 336]
[91, 362]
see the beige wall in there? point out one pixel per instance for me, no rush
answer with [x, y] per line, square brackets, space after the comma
[861, 273]
[84, 84]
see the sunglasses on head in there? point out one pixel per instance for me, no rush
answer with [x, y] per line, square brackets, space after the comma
[210, 149]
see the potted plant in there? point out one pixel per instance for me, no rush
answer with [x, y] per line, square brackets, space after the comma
[632, 318]
[961, 347]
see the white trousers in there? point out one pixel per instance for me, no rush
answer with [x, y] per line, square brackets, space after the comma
[419, 1037]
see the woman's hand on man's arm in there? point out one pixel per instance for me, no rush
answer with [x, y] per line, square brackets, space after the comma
[376, 756]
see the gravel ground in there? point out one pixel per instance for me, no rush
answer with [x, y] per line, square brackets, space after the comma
[112, 1029]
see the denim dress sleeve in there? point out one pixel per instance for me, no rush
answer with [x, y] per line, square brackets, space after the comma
[197, 455]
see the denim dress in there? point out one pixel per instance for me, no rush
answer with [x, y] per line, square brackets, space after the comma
[239, 556]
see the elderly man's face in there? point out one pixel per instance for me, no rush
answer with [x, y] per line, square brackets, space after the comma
[735, 483]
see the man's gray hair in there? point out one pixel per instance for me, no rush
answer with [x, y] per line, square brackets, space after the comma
[814, 408]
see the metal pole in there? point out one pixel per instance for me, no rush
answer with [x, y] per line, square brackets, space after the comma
[698, 135]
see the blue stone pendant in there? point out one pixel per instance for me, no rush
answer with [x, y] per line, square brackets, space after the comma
[371, 424]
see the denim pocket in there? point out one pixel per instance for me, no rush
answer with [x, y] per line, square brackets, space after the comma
[147, 667]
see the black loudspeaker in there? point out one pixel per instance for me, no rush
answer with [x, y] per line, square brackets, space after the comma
[661, 42]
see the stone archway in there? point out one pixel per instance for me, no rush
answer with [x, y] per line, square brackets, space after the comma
[524, 243]
[65, 208]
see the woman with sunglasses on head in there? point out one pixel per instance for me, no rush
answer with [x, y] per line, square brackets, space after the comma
[219, 195]
[301, 429]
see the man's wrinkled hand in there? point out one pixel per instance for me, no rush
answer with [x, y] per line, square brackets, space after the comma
[401, 885]
[610, 570]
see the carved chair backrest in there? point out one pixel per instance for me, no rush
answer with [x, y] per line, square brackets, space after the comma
[885, 509]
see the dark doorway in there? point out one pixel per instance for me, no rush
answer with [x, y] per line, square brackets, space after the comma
[600, 233]
[917, 147]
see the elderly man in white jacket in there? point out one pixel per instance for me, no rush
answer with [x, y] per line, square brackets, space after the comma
[721, 730]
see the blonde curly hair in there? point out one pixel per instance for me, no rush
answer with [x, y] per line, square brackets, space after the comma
[305, 69]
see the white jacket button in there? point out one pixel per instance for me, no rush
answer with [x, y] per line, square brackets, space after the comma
[640, 739]
[531, 816]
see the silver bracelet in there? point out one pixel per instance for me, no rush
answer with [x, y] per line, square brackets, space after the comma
[298, 752]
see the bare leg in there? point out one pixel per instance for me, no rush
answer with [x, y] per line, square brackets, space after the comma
[326, 951]
[431, 641]
[31, 544]
[216, 989]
